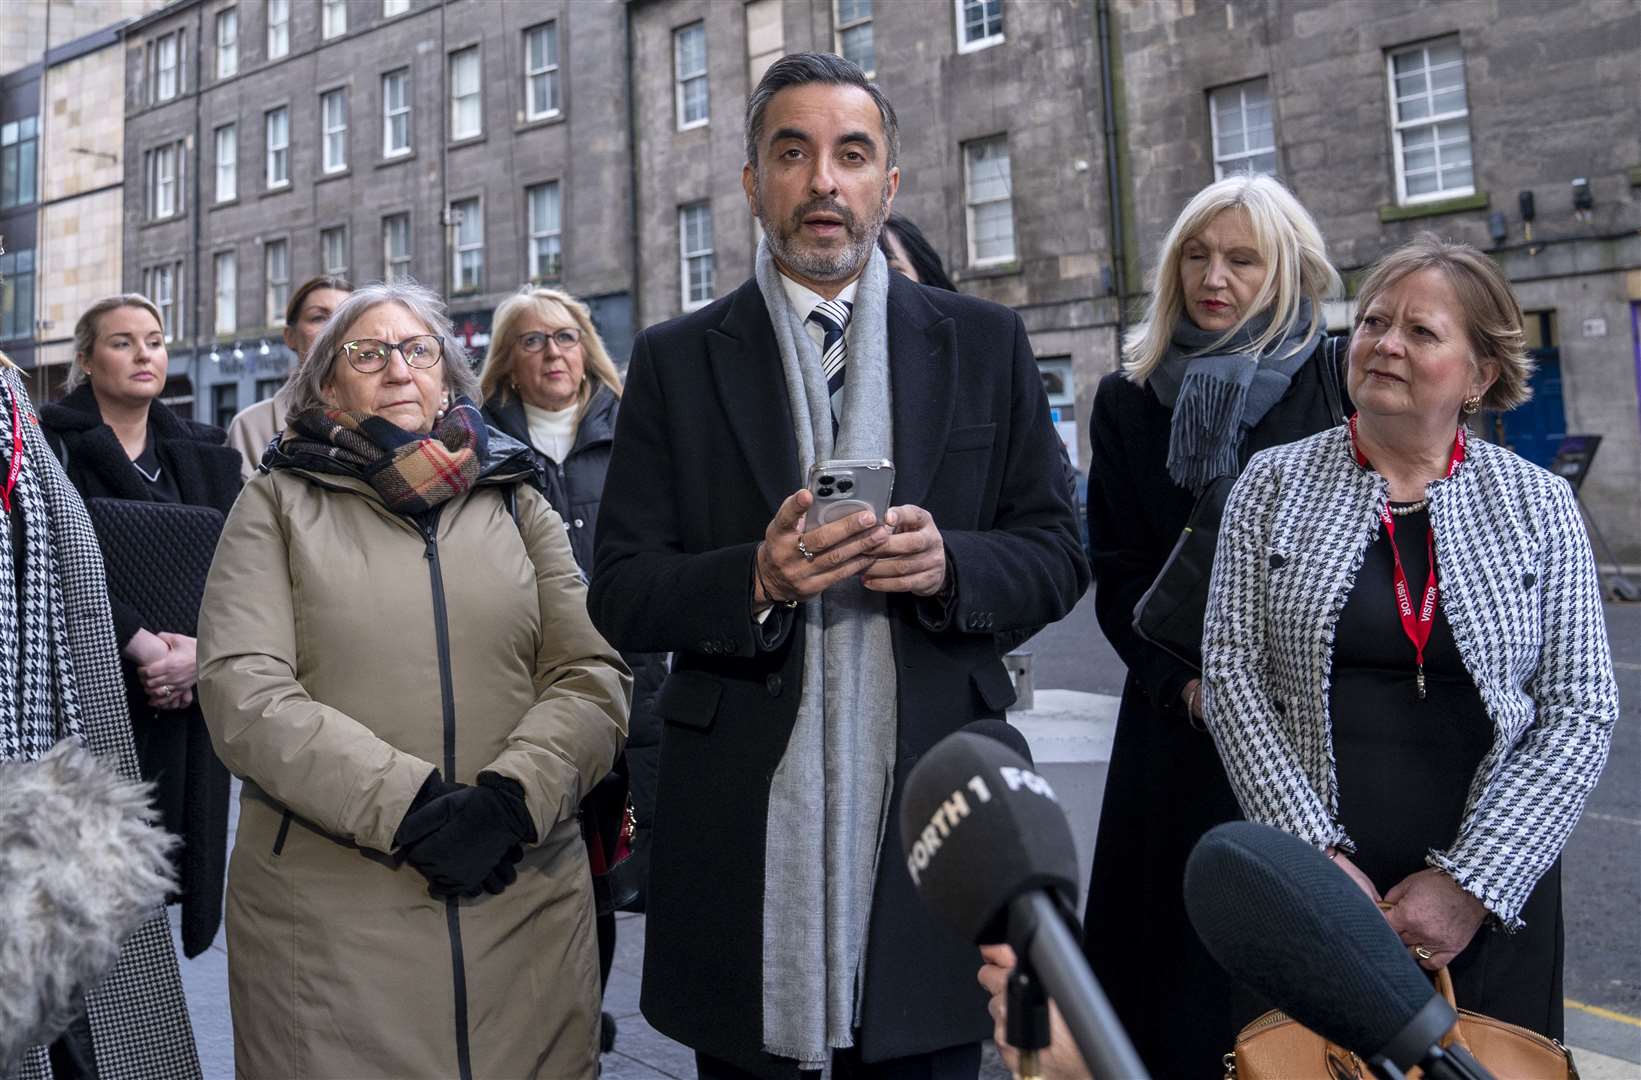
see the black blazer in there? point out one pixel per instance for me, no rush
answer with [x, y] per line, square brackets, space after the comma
[704, 454]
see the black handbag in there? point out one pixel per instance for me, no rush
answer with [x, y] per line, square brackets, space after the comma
[1171, 613]
[157, 556]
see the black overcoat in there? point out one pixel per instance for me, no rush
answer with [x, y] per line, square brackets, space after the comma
[173, 746]
[1166, 786]
[705, 453]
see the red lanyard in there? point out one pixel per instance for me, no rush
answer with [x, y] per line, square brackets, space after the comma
[1416, 622]
[15, 468]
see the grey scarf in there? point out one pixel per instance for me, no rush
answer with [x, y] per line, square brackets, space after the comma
[1216, 398]
[829, 797]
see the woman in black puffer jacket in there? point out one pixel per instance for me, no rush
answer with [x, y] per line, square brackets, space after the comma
[548, 382]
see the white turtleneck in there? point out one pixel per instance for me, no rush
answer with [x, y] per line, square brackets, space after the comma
[552, 431]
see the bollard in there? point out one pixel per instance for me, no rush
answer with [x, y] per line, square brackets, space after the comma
[1018, 664]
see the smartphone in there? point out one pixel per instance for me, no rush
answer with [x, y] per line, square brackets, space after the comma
[847, 487]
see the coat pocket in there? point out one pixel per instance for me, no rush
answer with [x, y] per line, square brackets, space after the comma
[284, 831]
[975, 437]
[993, 685]
[689, 698]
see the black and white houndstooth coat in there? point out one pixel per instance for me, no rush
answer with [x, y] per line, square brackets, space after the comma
[1520, 590]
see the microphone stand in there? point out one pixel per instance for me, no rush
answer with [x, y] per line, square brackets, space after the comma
[1047, 950]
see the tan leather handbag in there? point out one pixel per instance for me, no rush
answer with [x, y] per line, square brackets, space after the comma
[1277, 1047]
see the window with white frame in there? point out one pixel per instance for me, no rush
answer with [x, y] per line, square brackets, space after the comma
[226, 147]
[227, 23]
[166, 66]
[391, 8]
[466, 107]
[279, 28]
[162, 170]
[276, 263]
[159, 284]
[333, 249]
[689, 63]
[333, 120]
[1430, 121]
[852, 26]
[467, 265]
[990, 205]
[396, 247]
[979, 24]
[546, 231]
[696, 263]
[19, 161]
[276, 125]
[1243, 131]
[396, 113]
[541, 71]
[333, 18]
[17, 294]
[225, 268]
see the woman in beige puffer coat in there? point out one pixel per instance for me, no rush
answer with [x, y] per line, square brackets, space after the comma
[357, 656]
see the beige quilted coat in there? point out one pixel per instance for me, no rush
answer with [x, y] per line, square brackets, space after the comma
[320, 677]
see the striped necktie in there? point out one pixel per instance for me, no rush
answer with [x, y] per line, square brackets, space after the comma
[832, 316]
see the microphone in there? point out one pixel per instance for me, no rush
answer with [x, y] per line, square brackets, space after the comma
[1274, 911]
[989, 848]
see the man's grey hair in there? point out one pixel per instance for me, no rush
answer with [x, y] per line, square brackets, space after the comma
[305, 390]
[801, 69]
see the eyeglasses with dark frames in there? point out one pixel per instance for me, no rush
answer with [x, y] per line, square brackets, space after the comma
[368, 355]
[535, 340]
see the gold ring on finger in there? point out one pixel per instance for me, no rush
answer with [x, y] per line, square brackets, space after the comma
[809, 556]
[1422, 953]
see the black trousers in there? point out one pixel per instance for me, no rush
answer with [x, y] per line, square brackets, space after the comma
[952, 1063]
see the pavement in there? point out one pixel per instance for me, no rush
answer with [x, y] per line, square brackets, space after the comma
[1601, 868]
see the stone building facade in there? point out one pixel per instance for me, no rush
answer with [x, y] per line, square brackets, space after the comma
[61, 147]
[1528, 102]
[968, 82]
[453, 143]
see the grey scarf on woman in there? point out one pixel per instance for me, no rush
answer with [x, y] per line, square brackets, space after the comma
[1216, 398]
[829, 797]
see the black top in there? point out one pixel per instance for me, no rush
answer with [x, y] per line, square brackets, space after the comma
[1404, 765]
[162, 486]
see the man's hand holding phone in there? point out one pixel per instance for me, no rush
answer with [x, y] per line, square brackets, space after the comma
[794, 565]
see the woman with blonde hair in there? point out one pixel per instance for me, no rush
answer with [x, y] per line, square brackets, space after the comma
[1405, 654]
[548, 382]
[1230, 358]
[119, 442]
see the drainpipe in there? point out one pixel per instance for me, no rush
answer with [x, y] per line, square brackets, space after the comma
[634, 250]
[445, 227]
[195, 211]
[1119, 256]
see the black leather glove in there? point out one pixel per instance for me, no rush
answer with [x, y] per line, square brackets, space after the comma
[463, 838]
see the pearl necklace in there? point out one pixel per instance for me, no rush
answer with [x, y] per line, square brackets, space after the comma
[1410, 508]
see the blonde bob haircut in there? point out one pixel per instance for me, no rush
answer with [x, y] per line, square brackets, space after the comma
[1289, 243]
[305, 389]
[555, 308]
[89, 326]
[1492, 315]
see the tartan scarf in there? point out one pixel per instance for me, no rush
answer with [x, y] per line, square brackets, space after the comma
[412, 472]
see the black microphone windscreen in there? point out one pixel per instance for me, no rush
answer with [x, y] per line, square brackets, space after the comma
[1276, 913]
[1004, 732]
[978, 827]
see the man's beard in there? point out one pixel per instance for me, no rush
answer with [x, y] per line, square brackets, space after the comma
[817, 264]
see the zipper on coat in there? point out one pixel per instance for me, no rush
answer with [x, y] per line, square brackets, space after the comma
[429, 525]
[284, 831]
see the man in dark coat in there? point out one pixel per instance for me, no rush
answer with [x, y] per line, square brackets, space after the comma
[704, 549]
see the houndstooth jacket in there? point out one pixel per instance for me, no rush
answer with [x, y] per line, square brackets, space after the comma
[1520, 590]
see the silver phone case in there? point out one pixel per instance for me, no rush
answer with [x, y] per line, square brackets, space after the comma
[855, 484]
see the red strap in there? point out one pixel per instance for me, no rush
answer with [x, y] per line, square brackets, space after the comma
[15, 468]
[1416, 622]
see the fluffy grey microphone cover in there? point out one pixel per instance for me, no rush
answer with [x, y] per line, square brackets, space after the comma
[82, 865]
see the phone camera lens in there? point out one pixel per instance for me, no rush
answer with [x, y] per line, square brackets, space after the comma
[828, 480]
[824, 492]
[846, 485]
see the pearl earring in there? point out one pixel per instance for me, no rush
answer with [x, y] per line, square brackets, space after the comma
[444, 405]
